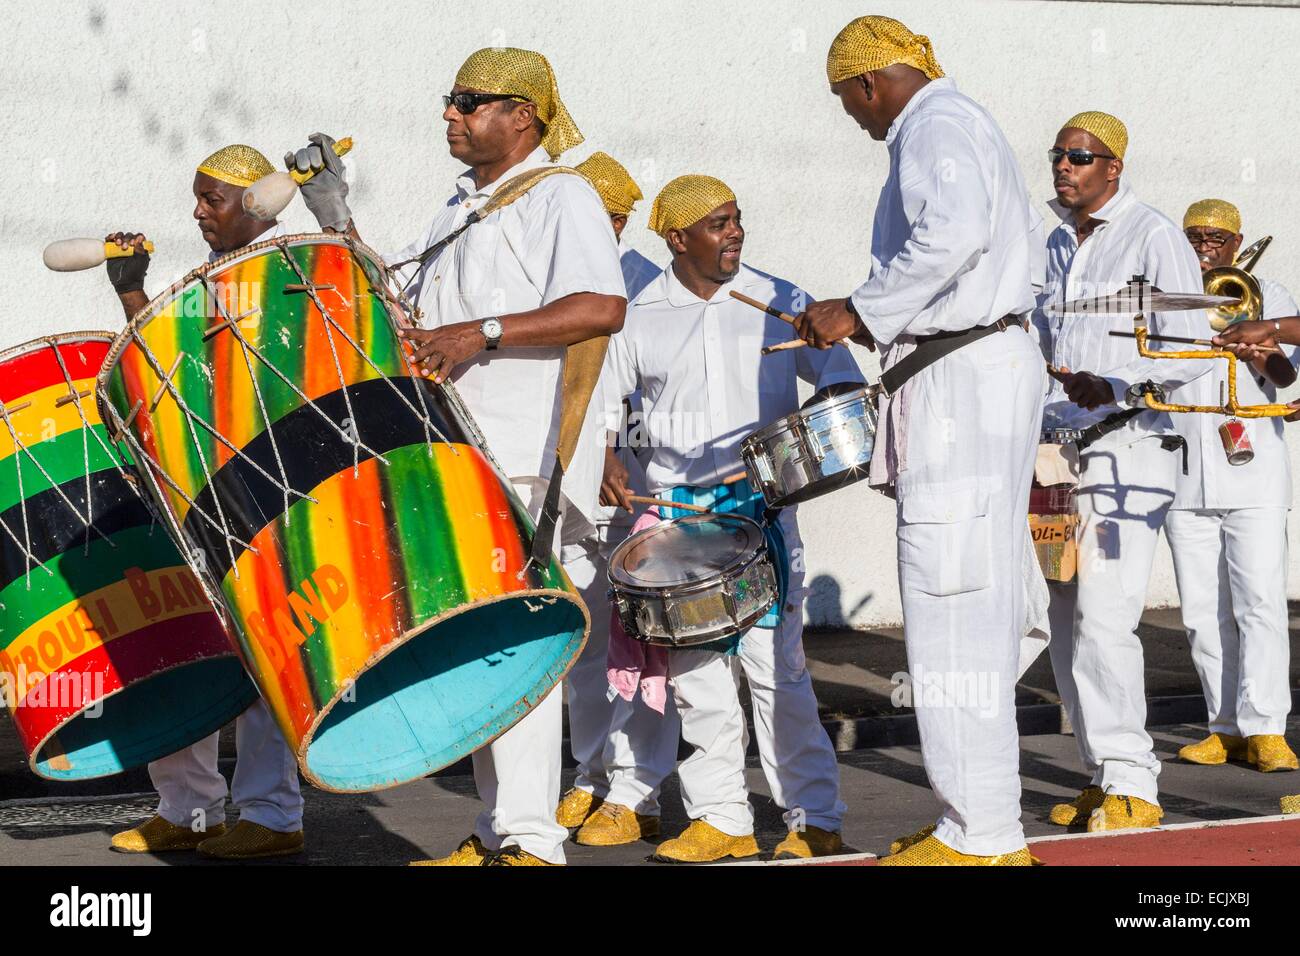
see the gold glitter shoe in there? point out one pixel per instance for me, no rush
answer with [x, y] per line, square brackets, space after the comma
[1269, 752]
[1214, 750]
[615, 825]
[933, 852]
[158, 835]
[1290, 804]
[471, 852]
[251, 841]
[1077, 811]
[575, 807]
[1120, 812]
[702, 843]
[808, 843]
[515, 856]
[903, 842]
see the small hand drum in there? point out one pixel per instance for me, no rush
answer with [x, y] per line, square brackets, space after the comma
[692, 580]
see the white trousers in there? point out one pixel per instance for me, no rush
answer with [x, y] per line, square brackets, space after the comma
[1124, 494]
[192, 790]
[972, 428]
[1231, 568]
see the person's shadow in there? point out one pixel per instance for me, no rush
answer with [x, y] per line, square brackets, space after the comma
[825, 603]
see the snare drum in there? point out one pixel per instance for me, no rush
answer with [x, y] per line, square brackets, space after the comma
[370, 557]
[693, 580]
[813, 451]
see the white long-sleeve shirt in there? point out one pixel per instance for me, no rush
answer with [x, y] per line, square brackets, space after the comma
[705, 385]
[955, 243]
[1265, 481]
[1130, 238]
[554, 241]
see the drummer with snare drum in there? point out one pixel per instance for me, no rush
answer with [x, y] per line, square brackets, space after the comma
[696, 354]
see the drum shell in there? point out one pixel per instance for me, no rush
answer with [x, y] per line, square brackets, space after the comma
[813, 451]
[368, 553]
[111, 653]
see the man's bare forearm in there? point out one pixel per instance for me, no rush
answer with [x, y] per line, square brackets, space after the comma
[574, 318]
[132, 303]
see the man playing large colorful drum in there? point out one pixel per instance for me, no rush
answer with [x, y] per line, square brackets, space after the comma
[191, 810]
[502, 302]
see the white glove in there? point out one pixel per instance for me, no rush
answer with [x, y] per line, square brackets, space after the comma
[326, 192]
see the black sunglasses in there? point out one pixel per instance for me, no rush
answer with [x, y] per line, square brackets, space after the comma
[1077, 157]
[467, 103]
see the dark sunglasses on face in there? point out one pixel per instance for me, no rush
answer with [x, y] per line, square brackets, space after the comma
[467, 103]
[1077, 157]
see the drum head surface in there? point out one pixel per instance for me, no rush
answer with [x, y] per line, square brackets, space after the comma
[685, 550]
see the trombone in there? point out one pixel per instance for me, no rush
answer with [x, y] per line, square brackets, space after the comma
[1236, 281]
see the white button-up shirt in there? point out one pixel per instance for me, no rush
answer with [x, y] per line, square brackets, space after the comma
[1130, 238]
[704, 383]
[554, 241]
[1210, 482]
[955, 242]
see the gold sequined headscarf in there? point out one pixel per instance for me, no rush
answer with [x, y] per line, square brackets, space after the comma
[873, 43]
[527, 74]
[1112, 133]
[238, 165]
[1213, 214]
[686, 200]
[618, 190]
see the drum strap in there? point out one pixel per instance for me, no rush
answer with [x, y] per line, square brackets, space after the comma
[930, 348]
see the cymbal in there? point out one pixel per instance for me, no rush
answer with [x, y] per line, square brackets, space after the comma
[1139, 295]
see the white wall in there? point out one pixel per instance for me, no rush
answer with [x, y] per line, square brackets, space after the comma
[107, 108]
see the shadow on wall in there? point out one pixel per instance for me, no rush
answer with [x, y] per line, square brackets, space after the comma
[825, 603]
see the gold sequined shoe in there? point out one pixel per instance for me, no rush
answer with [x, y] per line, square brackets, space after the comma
[1120, 812]
[615, 825]
[1269, 752]
[575, 807]
[1290, 804]
[1214, 750]
[251, 841]
[471, 852]
[158, 835]
[515, 856]
[702, 843]
[1077, 811]
[932, 851]
[903, 842]
[808, 843]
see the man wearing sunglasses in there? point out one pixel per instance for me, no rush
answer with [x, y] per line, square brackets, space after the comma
[1128, 466]
[1227, 531]
[501, 303]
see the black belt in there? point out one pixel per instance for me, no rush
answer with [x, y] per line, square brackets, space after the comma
[1117, 420]
[931, 348]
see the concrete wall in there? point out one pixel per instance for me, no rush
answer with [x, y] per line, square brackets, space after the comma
[107, 107]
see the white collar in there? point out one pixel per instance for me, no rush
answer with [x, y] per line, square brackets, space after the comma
[924, 93]
[466, 188]
[1115, 207]
[668, 288]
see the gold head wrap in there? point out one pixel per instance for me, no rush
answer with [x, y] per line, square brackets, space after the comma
[528, 75]
[686, 200]
[1215, 214]
[238, 165]
[618, 190]
[873, 43]
[1112, 133]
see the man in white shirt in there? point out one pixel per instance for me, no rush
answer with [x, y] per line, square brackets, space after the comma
[501, 303]
[192, 792]
[642, 738]
[1128, 464]
[955, 253]
[696, 355]
[1227, 530]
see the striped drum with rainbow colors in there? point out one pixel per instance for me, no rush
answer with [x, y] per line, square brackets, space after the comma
[371, 558]
[110, 653]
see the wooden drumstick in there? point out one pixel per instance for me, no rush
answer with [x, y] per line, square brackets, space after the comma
[782, 346]
[774, 312]
[733, 479]
[645, 500]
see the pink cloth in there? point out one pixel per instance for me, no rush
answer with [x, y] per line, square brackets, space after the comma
[631, 663]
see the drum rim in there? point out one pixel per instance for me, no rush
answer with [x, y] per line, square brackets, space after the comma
[687, 587]
[801, 417]
[59, 338]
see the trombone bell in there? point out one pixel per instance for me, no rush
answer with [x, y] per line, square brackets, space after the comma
[1236, 281]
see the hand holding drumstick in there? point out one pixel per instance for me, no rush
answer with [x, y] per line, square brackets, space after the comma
[820, 333]
[1084, 388]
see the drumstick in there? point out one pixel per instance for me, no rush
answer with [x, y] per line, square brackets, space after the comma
[645, 500]
[775, 313]
[732, 479]
[782, 346]
[266, 198]
[1178, 339]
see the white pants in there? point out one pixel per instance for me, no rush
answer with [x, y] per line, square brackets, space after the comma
[1231, 569]
[1124, 494]
[192, 790]
[972, 429]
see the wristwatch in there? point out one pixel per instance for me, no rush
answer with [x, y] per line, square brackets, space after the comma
[492, 329]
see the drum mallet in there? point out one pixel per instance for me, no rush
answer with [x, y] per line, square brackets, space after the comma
[267, 197]
[74, 255]
[775, 313]
[644, 500]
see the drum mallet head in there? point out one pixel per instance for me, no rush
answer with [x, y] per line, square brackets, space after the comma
[74, 255]
[267, 198]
